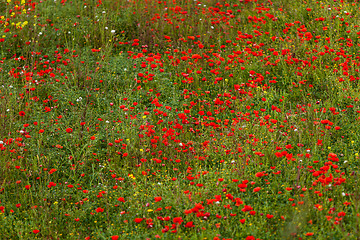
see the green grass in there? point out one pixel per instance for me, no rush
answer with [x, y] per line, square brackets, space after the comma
[179, 119]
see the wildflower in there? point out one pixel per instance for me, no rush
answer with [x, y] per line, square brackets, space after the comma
[99, 209]
[177, 220]
[257, 189]
[138, 220]
[250, 238]
[246, 208]
[341, 214]
[189, 224]
[158, 199]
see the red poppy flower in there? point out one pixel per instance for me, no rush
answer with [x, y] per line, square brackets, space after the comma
[99, 209]
[257, 189]
[69, 130]
[189, 224]
[138, 220]
[36, 231]
[178, 220]
[246, 208]
[22, 113]
[158, 199]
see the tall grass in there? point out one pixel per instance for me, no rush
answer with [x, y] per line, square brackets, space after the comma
[179, 119]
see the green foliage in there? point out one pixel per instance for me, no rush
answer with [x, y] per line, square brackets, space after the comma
[179, 119]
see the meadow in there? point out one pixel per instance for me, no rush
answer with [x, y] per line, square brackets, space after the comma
[179, 119]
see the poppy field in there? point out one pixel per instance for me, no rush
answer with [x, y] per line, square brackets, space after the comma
[179, 119]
